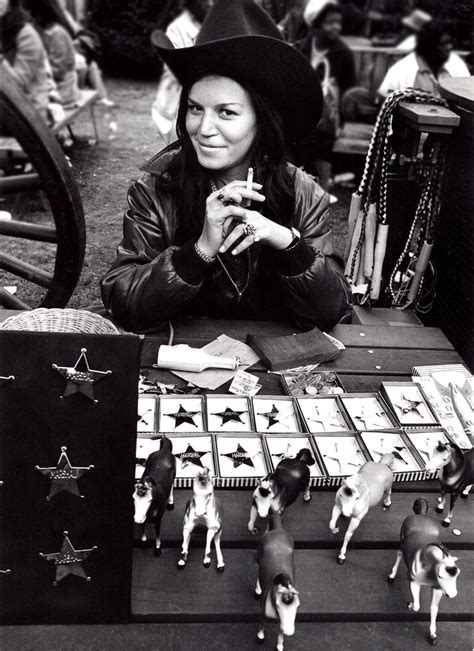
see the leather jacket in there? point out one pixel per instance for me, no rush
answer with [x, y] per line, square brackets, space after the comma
[153, 280]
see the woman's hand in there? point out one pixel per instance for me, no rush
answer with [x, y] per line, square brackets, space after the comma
[222, 208]
[257, 228]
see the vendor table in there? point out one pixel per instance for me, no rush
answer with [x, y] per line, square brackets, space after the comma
[342, 607]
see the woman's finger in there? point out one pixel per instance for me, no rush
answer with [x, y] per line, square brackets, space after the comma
[237, 196]
[245, 244]
[232, 238]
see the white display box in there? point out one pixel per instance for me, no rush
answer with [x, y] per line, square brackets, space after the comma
[240, 459]
[146, 416]
[341, 455]
[281, 446]
[275, 414]
[181, 414]
[406, 466]
[367, 412]
[229, 413]
[409, 404]
[322, 414]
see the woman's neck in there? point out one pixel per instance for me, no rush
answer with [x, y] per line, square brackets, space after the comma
[223, 177]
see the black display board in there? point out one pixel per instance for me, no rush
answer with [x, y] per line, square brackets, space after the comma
[35, 425]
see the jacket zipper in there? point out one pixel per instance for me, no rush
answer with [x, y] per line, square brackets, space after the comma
[237, 290]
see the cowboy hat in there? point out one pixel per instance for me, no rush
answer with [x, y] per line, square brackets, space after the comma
[238, 39]
[314, 9]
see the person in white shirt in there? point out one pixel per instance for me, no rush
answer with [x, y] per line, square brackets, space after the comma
[412, 25]
[432, 61]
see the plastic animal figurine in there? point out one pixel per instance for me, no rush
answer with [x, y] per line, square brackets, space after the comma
[154, 491]
[203, 511]
[281, 487]
[456, 474]
[358, 493]
[428, 561]
[276, 572]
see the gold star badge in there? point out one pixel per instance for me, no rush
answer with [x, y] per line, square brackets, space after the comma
[64, 476]
[69, 560]
[80, 377]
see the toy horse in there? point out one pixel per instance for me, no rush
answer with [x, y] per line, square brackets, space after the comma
[428, 561]
[456, 474]
[358, 493]
[276, 571]
[203, 511]
[154, 490]
[281, 488]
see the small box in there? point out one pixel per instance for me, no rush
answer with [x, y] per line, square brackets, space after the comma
[406, 466]
[282, 446]
[275, 414]
[241, 459]
[146, 417]
[341, 455]
[193, 452]
[409, 404]
[322, 414]
[181, 414]
[425, 441]
[226, 413]
[367, 411]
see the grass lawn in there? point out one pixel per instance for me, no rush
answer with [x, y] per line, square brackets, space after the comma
[103, 173]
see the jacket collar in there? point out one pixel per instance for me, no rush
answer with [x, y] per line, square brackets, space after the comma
[158, 163]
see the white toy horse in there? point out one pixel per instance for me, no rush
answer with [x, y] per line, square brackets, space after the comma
[203, 511]
[358, 493]
[275, 584]
[428, 561]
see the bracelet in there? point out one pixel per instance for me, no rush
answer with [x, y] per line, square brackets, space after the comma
[202, 255]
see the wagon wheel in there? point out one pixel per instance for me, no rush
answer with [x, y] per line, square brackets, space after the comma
[62, 233]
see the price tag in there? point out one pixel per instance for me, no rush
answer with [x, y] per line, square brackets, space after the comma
[245, 384]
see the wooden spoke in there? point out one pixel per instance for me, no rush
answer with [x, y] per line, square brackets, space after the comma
[29, 231]
[25, 270]
[11, 301]
[20, 183]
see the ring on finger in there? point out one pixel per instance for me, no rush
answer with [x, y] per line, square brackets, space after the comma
[250, 229]
[221, 197]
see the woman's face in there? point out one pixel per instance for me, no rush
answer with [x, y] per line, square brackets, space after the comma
[222, 125]
[4, 7]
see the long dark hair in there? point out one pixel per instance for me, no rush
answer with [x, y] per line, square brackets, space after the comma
[190, 183]
[10, 24]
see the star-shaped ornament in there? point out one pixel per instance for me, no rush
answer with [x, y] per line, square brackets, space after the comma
[408, 406]
[230, 415]
[272, 417]
[283, 455]
[326, 420]
[190, 455]
[141, 417]
[183, 416]
[340, 462]
[239, 457]
[69, 560]
[64, 476]
[6, 378]
[80, 378]
[396, 451]
[367, 419]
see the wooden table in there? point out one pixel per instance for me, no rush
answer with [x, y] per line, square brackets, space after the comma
[345, 607]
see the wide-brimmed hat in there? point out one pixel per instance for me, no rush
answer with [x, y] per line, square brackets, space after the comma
[416, 19]
[238, 39]
[314, 9]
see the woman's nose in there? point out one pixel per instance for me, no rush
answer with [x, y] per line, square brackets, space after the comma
[207, 126]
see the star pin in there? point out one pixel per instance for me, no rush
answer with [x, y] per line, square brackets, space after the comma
[69, 560]
[326, 420]
[230, 415]
[183, 416]
[64, 476]
[240, 457]
[283, 455]
[80, 378]
[408, 406]
[272, 417]
[346, 462]
[367, 417]
[191, 456]
[6, 378]
[141, 417]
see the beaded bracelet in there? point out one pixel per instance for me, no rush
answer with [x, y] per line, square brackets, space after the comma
[202, 255]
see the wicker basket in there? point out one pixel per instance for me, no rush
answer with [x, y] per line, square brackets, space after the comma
[60, 320]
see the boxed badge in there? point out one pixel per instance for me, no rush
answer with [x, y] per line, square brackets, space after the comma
[322, 414]
[367, 411]
[281, 446]
[146, 416]
[340, 455]
[229, 414]
[406, 466]
[409, 404]
[181, 414]
[240, 459]
[425, 441]
[275, 414]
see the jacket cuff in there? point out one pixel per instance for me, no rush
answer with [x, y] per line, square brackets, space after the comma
[295, 261]
[189, 266]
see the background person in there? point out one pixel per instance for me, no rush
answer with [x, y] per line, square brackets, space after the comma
[432, 60]
[191, 246]
[411, 27]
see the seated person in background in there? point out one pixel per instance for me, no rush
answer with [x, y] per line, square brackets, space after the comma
[192, 243]
[334, 63]
[182, 32]
[60, 48]
[412, 25]
[432, 60]
[293, 26]
[23, 55]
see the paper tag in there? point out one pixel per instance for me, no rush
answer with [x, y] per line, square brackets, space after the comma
[244, 384]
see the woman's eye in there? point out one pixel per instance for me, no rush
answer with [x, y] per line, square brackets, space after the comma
[194, 109]
[227, 113]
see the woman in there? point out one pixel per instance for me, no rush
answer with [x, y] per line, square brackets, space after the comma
[191, 246]
[23, 56]
[432, 60]
[334, 63]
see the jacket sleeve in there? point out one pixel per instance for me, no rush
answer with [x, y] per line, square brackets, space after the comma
[28, 55]
[313, 285]
[151, 280]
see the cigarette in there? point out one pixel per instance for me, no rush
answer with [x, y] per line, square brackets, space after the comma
[246, 202]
